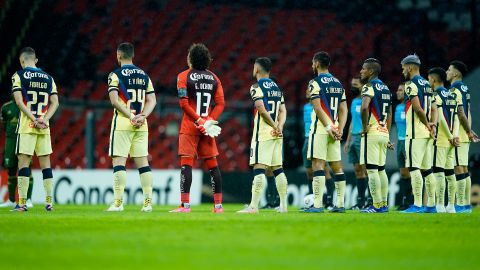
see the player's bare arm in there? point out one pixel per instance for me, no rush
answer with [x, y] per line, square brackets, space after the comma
[323, 118]
[17, 95]
[342, 118]
[433, 121]
[264, 114]
[282, 117]
[150, 103]
[113, 95]
[462, 117]
[347, 142]
[52, 108]
[417, 108]
[364, 111]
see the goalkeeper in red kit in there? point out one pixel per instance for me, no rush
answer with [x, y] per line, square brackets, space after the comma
[201, 99]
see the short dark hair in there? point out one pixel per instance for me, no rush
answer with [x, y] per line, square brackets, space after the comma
[373, 64]
[126, 49]
[265, 63]
[439, 72]
[460, 66]
[199, 56]
[29, 51]
[323, 58]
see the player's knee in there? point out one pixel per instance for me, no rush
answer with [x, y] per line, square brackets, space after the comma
[211, 163]
[277, 171]
[340, 177]
[426, 173]
[449, 172]
[24, 172]
[119, 168]
[437, 169]
[47, 173]
[186, 161]
[144, 169]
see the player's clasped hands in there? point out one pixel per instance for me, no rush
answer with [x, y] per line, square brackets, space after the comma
[208, 127]
[40, 123]
[455, 141]
[138, 120]
[432, 127]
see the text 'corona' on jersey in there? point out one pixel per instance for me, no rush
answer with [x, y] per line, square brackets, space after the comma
[128, 72]
[196, 76]
[28, 75]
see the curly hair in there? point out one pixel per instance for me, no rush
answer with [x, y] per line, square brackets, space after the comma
[199, 56]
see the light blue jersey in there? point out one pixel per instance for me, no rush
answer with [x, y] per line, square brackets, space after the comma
[307, 118]
[400, 121]
[356, 117]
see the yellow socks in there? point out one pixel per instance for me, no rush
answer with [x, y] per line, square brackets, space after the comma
[374, 184]
[119, 182]
[318, 185]
[259, 183]
[282, 184]
[384, 184]
[23, 182]
[146, 180]
[340, 183]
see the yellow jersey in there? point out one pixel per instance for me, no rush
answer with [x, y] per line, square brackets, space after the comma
[379, 107]
[462, 94]
[418, 87]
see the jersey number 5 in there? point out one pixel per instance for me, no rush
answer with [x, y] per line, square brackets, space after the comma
[38, 100]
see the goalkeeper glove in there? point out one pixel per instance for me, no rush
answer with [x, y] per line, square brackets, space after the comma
[208, 127]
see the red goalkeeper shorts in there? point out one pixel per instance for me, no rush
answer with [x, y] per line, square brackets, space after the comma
[197, 146]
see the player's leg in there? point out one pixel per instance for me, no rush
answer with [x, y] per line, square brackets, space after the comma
[307, 164]
[383, 142]
[139, 153]
[25, 148]
[468, 182]
[47, 174]
[30, 188]
[317, 146]
[461, 178]
[216, 181]
[146, 180]
[451, 181]
[439, 162]
[281, 181]
[427, 173]
[405, 180]
[187, 150]
[369, 157]
[330, 187]
[340, 184]
[120, 145]
[23, 177]
[207, 150]
[415, 150]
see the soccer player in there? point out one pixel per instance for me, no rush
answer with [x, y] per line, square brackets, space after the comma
[376, 115]
[329, 183]
[197, 88]
[133, 98]
[352, 144]
[266, 150]
[421, 129]
[9, 118]
[455, 73]
[328, 120]
[400, 122]
[445, 141]
[35, 94]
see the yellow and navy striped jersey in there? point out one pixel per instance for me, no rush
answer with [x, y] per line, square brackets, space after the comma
[447, 110]
[272, 96]
[36, 87]
[379, 106]
[132, 85]
[418, 87]
[331, 93]
[462, 94]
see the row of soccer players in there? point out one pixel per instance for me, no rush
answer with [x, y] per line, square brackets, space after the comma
[132, 96]
[437, 135]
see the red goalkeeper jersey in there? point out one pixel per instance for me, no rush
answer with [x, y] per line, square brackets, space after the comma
[201, 95]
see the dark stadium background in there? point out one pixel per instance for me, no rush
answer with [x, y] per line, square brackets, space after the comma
[76, 41]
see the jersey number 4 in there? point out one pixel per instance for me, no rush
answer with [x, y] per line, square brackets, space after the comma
[38, 100]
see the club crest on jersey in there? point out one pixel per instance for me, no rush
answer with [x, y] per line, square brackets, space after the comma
[269, 84]
[422, 82]
[464, 88]
[195, 77]
[444, 93]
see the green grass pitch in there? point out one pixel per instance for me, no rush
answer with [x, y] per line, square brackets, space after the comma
[86, 237]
